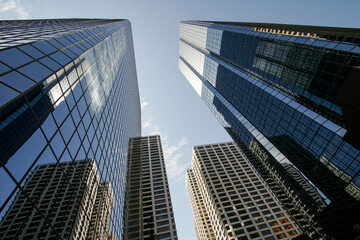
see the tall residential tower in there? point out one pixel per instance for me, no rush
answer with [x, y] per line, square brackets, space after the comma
[53, 187]
[288, 95]
[68, 91]
[230, 200]
[148, 212]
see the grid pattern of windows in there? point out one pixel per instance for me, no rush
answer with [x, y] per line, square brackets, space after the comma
[68, 92]
[15, 33]
[277, 94]
[65, 217]
[148, 212]
[202, 221]
[101, 214]
[230, 200]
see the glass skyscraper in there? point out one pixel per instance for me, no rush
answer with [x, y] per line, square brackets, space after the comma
[68, 219]
[68, 91]
[288, 95]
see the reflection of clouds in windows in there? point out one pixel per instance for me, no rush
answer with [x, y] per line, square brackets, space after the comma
[100, 76]
[99, 81]
[268, 85]
[54, 120]
[57, 86]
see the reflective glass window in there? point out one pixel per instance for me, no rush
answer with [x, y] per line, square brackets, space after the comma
[3, 68]
[50, 63]
[36, 71]
[14, 57]
[17, 81]
[33, 52]
[6, 94]
[44, 47]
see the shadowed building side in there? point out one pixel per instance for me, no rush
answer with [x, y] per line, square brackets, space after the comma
[230, 200]
[287, 95]
[68, 91]
[148, 212]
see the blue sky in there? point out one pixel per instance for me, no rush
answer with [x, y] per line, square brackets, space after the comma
[170, 107]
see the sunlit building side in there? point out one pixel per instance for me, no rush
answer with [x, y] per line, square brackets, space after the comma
[230, 200]
[68, 91]
[148, 212]
[101, 214]
[288, 95]
[68, 219]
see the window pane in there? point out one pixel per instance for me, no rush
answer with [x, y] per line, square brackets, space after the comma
[14, 57]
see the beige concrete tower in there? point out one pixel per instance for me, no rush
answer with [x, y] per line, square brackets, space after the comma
[202, 222]
[230, 200]
[148, 210]
[64, 194]
[69, 196]
[100, 218]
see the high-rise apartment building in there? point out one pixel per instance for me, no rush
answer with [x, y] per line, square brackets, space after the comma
[230, 200]
[288, 95]
[52, 188]
[68, 91]
[101, 213]
[202, 223]
[148, 212]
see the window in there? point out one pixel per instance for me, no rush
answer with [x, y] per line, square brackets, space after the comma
[162, 236]
[163, 229]
[161, 211]
[161, 217]
[162, 223]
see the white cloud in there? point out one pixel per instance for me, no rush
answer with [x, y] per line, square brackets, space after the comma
[174, 158]
[171, 150]
[149, 128]
[174, 153]
[143, 103]
[14, 8]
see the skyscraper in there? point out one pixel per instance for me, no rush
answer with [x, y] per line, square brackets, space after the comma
[66, 218]
[288, 96]
[68, 90]
[148, 212]
[101, 213]
[230, 200]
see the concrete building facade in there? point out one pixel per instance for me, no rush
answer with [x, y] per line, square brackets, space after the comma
[51, 189]
[230, 200]
[148, 212]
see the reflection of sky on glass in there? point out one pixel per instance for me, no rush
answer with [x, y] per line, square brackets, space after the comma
[195, 82]
[100, 82]
[156, 48]
[195, 57]
[21, 162]
[64, 90]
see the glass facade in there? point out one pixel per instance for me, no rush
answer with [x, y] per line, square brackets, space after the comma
[68, 91]
[286, 95]
[68, 218]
